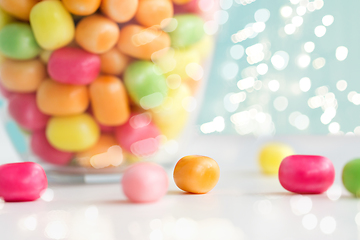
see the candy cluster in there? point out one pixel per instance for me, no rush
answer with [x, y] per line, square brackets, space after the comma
[82, 76]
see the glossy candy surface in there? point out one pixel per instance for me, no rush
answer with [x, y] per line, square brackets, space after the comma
[113, 62]
[18, 8]
[196, 174]
[306, 174]
[144, 182]
[20, 182]
[153, 12]
[271, 155]
[81, 7]
[119, 11]
[351, 176]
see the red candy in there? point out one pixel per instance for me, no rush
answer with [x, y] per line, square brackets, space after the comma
[73, 66]
[306, 174]
[42, 148]
[20, 182]
[23, 108]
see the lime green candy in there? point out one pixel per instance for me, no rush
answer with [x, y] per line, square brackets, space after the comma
[145, 85]
[351, 176]
[190, 29]
[17, 41]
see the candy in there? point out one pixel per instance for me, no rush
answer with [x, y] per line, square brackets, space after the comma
[18, 8]
[59, 99]
[4, 92]
[139, 42]
[189, 30]
[138, 135]
[144, 182]
[306, 174]
[145, 86]
[97, 34]
[21, 182]
[196, 174]
[72, 133]
[22, 76]
[41, 147]
[109, 101]
[351, 176]
[119, 11]
[24, 110]
[153, 12]
[52, 24]
[113, 157]
[5, 18]
[82, 7]
[113, 62]
[271, 156]
[73, 66]
[17, 41]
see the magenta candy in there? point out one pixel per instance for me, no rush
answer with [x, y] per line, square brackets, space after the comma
[204, 8]
[42, 148]
[23, 108]
[4, 92]
[73, 66]
[20, 182]
[145, 182]
[306, 174]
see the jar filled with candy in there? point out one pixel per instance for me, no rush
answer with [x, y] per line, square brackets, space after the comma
[96, 84]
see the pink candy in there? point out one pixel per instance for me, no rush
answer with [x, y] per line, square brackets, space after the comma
[20, 182]
[145, 182]
[306, 174]
[73, 66]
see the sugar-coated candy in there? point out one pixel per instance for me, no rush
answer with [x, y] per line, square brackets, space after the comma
[96, 33]
[21, 182]
[351, 176]
[18, 8]
[153, 12]
[271, 155]
[73, 66]
[60, 99]
[22, 76]
[113, 62]
[82, 7]
[17, 41]
[109, 100]
[24, 110]
[5, 18]
[119, 11]
[41, 147]
[144, 182]
[196, 174]
[139, 42]
[306, 174]
[145, 86]
[72, 133]
[52, 24]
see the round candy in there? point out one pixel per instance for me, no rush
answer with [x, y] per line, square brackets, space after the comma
[119, 11]
[145, 86]
[60, 99]
[73, 66]
[22, 76]
[17, 41]
[196, 174]
[144, 182]
[306, 174]
[52, 24]
[153, 12]
[23, 108]
[82, 7]
[72, 133]
[113, 62]
[18, 8]
[271, 156]
[351, 176]
[20, 182]
[41, 147]
[96, 33]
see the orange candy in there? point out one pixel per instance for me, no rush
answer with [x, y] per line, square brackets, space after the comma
[82, 7]
[196, 174]
[113, 62]
[152, 12]
[22, 76]
[139, 42]
[109, 101]
[59, 99]
[97, 34]
[18, 8]
[119, 11]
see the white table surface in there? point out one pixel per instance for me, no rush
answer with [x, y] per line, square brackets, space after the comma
[244, 205]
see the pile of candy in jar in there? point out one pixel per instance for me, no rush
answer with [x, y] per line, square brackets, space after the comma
[84, 75]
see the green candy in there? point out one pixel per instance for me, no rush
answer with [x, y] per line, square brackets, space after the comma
[17, 41]
[351, 176]
[145, 85]
[190, 29]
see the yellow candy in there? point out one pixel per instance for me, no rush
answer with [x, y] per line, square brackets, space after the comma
[271, 156]
[5, 18]
[72, 133]
[52, 24]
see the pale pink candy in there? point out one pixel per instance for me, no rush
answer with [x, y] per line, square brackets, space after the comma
[113, 157]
